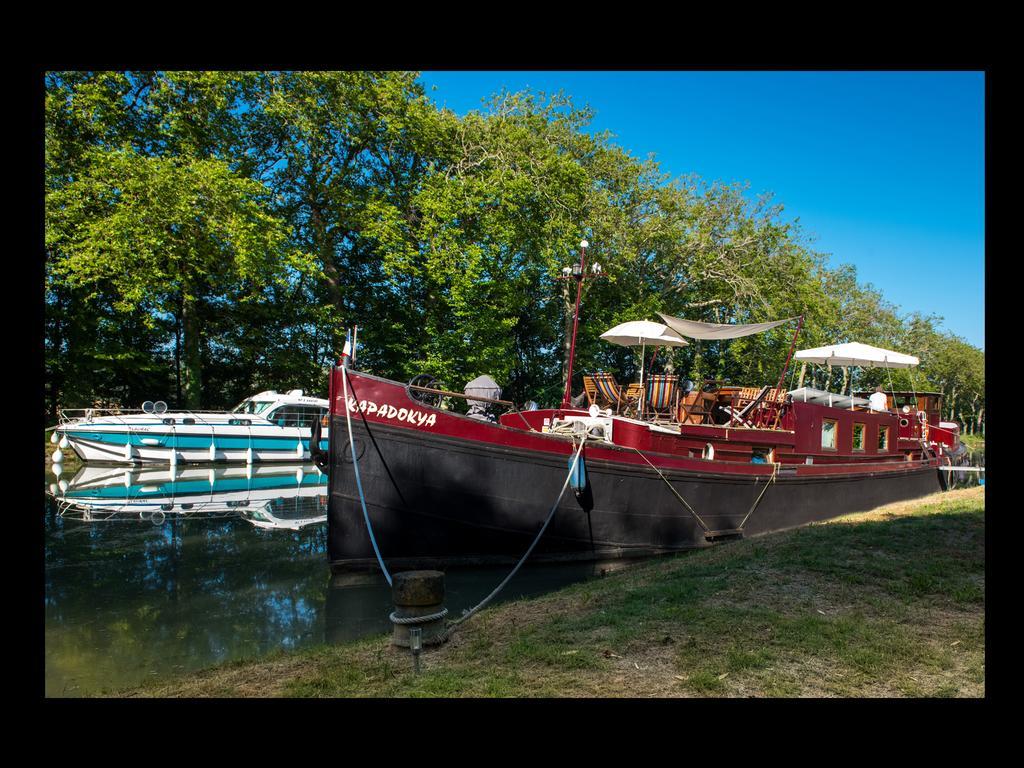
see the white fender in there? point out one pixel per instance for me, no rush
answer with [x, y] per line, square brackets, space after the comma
[128, 451]
[248, 456]
[299, 474]
[57, 457]
[63, 485]
[53, 436]
[213, 453]
[63, 441]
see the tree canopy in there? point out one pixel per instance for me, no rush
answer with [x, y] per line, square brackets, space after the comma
[209, 234]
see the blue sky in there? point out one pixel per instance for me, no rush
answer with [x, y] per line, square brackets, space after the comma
[884, 169]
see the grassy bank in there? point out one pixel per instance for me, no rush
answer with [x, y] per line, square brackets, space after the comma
[886, 603]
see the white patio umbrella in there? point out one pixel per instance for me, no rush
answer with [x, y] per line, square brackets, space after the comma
[855, 353]
[640, 333]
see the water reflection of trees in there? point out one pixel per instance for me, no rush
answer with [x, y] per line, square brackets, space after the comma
[124, 599]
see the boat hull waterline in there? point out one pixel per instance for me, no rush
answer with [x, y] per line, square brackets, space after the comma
[97, 443]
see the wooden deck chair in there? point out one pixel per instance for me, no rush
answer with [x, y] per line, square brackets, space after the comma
[603, 391]
[633, 397]
[662, 396]
[747, 399]
[753, 400]
[748, 395]
[694, 407]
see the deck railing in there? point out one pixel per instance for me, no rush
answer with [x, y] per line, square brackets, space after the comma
[66, 415]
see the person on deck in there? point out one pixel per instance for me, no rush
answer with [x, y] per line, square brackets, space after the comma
[877, 401]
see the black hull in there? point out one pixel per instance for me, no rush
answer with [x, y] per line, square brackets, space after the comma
[437, 500]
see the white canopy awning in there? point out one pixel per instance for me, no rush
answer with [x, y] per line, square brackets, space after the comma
[637, 333]
[855, 353]
[695, 330]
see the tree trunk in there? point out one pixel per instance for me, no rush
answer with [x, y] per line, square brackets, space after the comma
[803, 372]
[191, 343]
[846, 379]
[177, 355]
[698, 362]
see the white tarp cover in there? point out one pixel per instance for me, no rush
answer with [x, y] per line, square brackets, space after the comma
[642, 332]
[811, 395]
[855, 353]
[481, 386]
[694, 330]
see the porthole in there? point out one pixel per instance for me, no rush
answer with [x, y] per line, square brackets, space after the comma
[904, 422]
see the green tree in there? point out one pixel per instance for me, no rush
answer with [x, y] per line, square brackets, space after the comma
[169, 236]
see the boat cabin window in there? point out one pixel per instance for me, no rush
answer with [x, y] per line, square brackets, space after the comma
[296, 415]
[858, 437]
[902, 399]
[252, 406]
[829, 427]
[883, 438]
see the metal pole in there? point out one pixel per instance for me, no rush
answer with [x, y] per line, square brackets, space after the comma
[792, 349]
[567, 397]
[346, 352]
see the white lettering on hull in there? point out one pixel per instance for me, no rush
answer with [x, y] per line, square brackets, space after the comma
[389, 412]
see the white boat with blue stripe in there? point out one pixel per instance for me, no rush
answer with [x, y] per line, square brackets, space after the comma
[269, 426]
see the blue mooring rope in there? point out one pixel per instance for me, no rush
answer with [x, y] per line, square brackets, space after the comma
[373, 540]
[359, 482]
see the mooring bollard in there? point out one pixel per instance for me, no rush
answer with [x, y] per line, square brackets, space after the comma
[419, 602]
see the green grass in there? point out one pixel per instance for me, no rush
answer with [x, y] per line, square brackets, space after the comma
[888, 603]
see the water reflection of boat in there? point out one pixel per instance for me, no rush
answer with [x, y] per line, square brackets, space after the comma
[269, 426]
[272, 496]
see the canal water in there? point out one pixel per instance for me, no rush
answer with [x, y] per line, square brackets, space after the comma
[150, 575]
[975, 458]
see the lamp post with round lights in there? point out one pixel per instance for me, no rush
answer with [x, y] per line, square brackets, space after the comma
[577, 272]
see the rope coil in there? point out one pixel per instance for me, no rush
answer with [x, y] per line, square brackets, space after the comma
[396, 619]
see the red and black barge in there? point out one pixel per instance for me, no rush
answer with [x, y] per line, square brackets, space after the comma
[442, 488]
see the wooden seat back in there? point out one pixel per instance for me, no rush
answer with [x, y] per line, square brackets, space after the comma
[603, 390]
